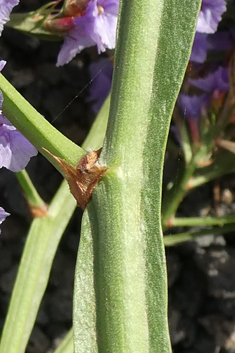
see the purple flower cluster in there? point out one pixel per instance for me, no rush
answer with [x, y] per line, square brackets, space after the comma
[206, 39]
[6, 7]
[96, 27]
[101, 73]
[209, 17]
[3, 216]
[191, 106]
[218, 80]
[216, 83]
[194, 107]
[15, 149]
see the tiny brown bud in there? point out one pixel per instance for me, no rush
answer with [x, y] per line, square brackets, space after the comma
[75, 8]
[59, 26]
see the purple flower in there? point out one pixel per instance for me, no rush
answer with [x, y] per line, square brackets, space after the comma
[3, 215]
[191, 106]
[96, 27]
[105, 24]
[218, 80]
[210, 15]
[199, 49]
[220, 41]
[2, 64]
[101, 74]
[6, 7]
[15, 149]
[208, 19]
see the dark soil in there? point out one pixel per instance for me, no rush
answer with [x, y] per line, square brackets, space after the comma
[201, 273]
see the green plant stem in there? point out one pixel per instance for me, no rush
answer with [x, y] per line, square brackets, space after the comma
[67, 345]
[30, 193]
[41, 245]
[170, 240]
[97, 132]
[172, 200]
[184, 139]
[201, 221]
[36, 128]
[120, 303]
[173, 197]
[224, 164]
[26, 23]
[42, 242]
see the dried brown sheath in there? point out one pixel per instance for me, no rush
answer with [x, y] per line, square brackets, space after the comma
[83, 178]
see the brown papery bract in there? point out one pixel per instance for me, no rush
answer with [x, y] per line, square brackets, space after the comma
[83, 178]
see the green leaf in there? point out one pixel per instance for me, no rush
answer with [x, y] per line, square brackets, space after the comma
[120, 293]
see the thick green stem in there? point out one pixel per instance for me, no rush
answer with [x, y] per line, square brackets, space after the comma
[120, 301]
